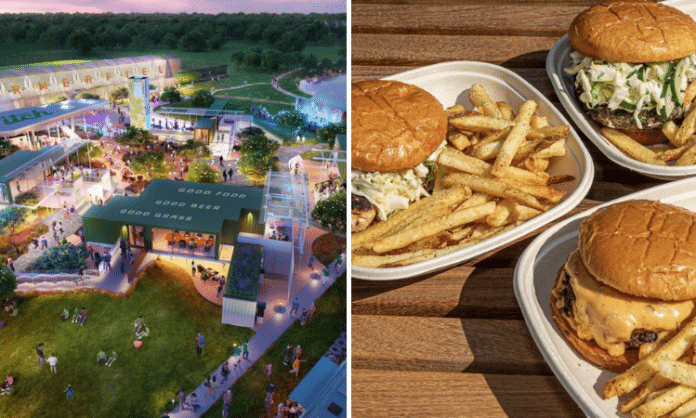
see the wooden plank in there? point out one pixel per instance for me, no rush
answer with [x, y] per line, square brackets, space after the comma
[418, 50]
[456, 292]
[490, 3]
[444, 344]
[377, 394]
[464, 19]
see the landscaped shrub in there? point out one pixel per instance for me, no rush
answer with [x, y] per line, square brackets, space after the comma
[27, 199]
[10, 218]
[64, 258]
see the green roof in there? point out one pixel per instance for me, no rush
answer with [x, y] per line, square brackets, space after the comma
[243, 275]
[17, 121]
[21, 161]
[216, 107]
[187, 206]
[205, 123]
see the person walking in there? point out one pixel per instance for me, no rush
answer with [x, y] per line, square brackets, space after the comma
[296, 366]
[310, 311]
[138, 324]
[296, 353]
[70, 394]
[113, 357]
[295, 305]
[229, 173]
[182, 398]
[53, 362]
[83, 316]
[75, 316]
[270, 393]
[227, 401]
[40, 354]
[311, 261]
[288, 355]
[268, 370]
[245, 350]
[225, 371]
[224, 175]
[101, 358]
[193, 268]
[221, 287]
[200, 343]
[10, 263]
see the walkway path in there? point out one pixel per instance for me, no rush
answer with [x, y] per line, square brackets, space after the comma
[262, 340]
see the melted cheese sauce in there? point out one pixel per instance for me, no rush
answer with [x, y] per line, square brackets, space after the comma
[609, 316]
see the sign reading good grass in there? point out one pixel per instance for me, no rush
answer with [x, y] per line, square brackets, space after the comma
[245, 268]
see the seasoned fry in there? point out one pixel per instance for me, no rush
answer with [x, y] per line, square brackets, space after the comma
[506, 110]
[670, 130]
[537, 121]
[500, 216]
[549, 132]
[688, 157]
[538, 191]
[509, 148]
[555, 149]
[665, 402]
[527, 177]
[458, 140]
[644, 369]
[678, 371]
[629, 146]
[480, 123]
[463, 162]
[459, 217]
[690, 94]
[653, 385]
[455, 110]
[488, 151]
[676, 153]
[493, 137]
[449, 196]
[479, 98]
[536, 164]
[524, 114]
[687, 128]
[687, 409]
[374, 261]
[493, 187]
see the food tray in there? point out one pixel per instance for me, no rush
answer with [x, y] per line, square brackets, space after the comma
[450, 82]
[557, 60]
[535, 275]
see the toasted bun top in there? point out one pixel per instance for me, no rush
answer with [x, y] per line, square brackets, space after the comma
[394, 126]
[643, 248]
[633, 31]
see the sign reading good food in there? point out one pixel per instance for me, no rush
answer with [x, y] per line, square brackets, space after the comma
[210, 192]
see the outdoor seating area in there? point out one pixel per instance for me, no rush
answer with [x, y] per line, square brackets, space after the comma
[327, 187]
[278, 230]
[183, 242]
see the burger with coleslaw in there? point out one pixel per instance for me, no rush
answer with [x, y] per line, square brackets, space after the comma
[397, 132]
[632, 63]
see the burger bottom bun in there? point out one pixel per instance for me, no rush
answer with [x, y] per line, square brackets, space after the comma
[589, 350]
[646, 136]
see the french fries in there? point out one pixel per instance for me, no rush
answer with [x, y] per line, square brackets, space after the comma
[489, 178]
[664, 379]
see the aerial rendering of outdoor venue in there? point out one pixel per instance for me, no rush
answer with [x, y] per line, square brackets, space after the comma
[173, 210]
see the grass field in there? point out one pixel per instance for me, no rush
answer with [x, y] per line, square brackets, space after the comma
[315, 337]
[141, 381]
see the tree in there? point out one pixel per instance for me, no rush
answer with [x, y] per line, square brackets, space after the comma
[82, 41]
[194, 41]
[292, 121]
[202, 98]
[187, 77]
[171, 95]
[6, 148]
[258, 143]
[250, 131]
[154, 164]
[291, 41]
[88, 96]
[255, 165]
[192, 149]
[8, 281]
[201, 172]
[169, 41]
[252, 57]
[271, 58]
[328, 134]
[310, 62]
[135, 137]
[119, 93]
[331, 212]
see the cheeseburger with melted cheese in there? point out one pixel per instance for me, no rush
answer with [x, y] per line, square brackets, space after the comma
[632, 280]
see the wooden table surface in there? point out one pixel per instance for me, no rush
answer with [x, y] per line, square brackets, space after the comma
[455, 344]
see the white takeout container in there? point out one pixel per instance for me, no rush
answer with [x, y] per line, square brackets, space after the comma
[558, 59]
[534, 277]
[449, 83]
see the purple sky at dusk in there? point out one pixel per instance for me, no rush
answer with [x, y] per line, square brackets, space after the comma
[173, 6]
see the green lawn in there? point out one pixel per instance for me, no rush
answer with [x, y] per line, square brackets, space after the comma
[315, 337]
[142, 381]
